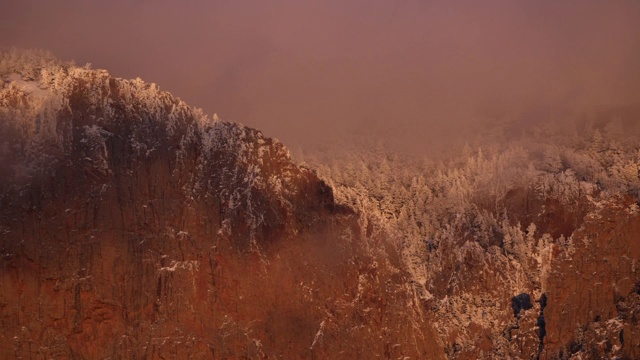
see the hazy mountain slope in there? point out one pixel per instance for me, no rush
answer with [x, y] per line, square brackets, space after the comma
[134, 226]
[545, 216]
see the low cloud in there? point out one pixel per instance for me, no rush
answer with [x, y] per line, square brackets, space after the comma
[422, 71]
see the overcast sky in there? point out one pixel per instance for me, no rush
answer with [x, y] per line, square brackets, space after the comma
[304, 69]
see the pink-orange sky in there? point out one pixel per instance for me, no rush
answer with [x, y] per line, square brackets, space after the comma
[304, 69]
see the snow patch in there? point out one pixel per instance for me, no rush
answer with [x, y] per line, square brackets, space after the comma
[189, 265]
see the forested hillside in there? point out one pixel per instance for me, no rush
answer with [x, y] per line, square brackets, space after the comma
[505, 217]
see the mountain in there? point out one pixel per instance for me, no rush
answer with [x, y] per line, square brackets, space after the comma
[134, 226]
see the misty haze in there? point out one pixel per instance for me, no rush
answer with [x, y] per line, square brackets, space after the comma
[319, 179]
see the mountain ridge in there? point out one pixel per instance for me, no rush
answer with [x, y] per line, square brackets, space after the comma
[135, 226]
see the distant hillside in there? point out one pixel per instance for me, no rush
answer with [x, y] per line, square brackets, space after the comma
[540, 213]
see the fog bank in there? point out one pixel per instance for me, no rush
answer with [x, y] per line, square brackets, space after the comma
[419, 71]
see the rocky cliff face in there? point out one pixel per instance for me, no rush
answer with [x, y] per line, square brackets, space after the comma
[133, 226]
[575, 298]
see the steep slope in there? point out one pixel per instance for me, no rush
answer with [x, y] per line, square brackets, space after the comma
[134, 226]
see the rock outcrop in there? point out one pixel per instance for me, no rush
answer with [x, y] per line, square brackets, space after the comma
[134, 226]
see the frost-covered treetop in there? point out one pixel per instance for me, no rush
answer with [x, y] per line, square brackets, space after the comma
[32, 78]
[56, 116]
[48, 108]
[30, 63]
[44, 101]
